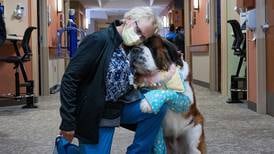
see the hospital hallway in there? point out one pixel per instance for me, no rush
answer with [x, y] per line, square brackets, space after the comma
[229, 128]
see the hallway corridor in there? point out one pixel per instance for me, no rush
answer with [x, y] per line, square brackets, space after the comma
[232, 128]
[229, 128]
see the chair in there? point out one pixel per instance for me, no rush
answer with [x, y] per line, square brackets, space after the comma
[238, 86]
[19, 61]
[239, 42]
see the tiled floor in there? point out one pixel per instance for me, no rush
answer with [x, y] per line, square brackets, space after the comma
[229, 128]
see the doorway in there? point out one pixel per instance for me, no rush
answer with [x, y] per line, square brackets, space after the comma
[43, 47]
[269, 5]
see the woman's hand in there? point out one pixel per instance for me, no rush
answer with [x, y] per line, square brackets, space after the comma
[68, 135]
[145, 106]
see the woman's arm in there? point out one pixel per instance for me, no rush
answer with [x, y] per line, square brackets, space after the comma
[77, 71]
[154, 99]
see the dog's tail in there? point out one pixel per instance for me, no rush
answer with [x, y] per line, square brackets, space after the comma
[202, 144]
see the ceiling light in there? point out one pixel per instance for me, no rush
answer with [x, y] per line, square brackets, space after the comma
[196, 4]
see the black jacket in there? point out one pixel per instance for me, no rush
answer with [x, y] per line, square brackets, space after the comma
[83, 85]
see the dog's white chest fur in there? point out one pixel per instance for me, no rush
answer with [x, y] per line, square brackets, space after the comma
[174, 124]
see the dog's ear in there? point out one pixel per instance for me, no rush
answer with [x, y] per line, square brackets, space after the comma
[173, 52]
[148, 42]
[163, 60]
[159, 52]
[154, 41]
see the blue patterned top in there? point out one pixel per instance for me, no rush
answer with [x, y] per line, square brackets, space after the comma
[119, 76]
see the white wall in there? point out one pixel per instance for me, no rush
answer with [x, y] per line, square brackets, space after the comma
[15, 26]
[200, 67]
[56, 71]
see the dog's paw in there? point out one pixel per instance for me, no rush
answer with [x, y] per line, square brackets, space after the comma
[145, 106]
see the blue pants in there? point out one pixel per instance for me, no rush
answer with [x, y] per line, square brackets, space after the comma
[148, 125]
[104, 145]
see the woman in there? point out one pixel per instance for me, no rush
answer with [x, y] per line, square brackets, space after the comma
[97, 86]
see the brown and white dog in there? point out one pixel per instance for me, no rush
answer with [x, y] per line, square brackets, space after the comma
[184, 132]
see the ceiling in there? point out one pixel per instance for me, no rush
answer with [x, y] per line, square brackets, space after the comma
[119, 7]
[121, 3]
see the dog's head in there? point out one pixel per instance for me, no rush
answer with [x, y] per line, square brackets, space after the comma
[155, 54]
[159, 52]
[141, 59]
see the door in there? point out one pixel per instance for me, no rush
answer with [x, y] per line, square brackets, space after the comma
[219, 63]
[270, 56]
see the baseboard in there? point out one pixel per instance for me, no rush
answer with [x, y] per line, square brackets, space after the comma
[9, 101]
[252, 106]
[269, 103]
[201, 83]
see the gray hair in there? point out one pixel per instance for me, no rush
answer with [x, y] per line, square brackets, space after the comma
[144, 13]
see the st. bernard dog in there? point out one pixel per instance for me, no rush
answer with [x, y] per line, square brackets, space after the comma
[183, 132]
